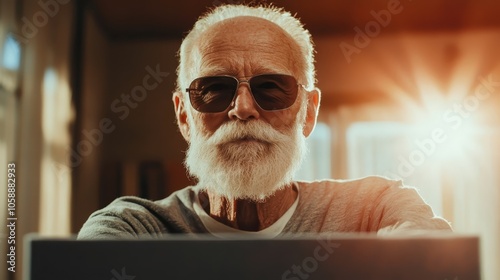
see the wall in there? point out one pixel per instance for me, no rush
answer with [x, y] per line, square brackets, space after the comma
[139, 127]
[398, 63]
[86, 158]
[148, 131]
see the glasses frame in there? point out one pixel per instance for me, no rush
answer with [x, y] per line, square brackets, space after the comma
[245, 80]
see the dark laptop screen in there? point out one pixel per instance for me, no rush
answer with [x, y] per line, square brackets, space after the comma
[333, 257]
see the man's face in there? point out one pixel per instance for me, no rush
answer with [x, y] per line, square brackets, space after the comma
[245, 151]
[244, 47]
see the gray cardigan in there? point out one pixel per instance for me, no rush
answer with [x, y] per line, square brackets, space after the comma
[371, 204]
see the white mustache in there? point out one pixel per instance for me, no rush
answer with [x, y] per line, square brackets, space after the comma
[257, 130]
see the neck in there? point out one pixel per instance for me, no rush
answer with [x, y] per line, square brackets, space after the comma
[248, 214]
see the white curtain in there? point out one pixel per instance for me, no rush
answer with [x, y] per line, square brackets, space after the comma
[317, 163]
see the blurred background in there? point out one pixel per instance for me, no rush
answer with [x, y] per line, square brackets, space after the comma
[411, 91]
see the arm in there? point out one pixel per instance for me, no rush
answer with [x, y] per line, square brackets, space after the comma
[124, 218]
[402, 209]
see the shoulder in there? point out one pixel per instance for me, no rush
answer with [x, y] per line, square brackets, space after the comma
[363, 193]
[371, 184]
[131, 216]
[344, 195]
[368, 190]
[370, 203]
[136, 205]
[126, 204]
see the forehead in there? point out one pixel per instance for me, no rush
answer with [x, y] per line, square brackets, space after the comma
[245, 46]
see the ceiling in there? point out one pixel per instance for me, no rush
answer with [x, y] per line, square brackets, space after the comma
[151, 19]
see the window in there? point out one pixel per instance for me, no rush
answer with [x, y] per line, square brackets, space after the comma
[317, 163]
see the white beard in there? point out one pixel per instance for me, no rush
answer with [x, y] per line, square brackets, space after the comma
[246, 170]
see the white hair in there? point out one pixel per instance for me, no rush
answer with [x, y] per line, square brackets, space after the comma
[278, 16]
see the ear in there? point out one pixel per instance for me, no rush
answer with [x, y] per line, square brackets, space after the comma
[313, 101]
[181, 114]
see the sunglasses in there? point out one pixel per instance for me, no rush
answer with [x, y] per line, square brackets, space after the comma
[214, 94]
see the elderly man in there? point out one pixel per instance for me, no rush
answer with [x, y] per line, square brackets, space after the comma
[245, 102]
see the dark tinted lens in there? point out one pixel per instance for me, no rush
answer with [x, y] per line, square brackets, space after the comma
[274, 91]
[212, 94]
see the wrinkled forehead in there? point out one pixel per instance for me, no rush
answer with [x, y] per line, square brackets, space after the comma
[246, 46]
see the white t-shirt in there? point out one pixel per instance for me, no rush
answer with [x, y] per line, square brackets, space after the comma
[219, 229]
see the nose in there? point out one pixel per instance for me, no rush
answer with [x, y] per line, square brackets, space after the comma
[243, 106]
